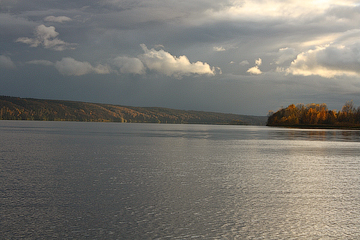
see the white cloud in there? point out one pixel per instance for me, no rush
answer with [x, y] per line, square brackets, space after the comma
[255, 70]
[59, 19]
[71, 67]
[129, 65]
[169, 65]
[328, 61]
[156, 60]
[219, 49]
[6, 62]
[47, 37]
[272, 9]
[258, 62]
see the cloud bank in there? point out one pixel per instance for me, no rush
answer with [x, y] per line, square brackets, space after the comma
[71, 67]
[296, 44]
[153, 60]
[339, 58]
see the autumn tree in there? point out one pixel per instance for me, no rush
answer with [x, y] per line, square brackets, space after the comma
[315, 114]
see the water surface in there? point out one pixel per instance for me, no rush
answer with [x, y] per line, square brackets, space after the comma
[73, 180]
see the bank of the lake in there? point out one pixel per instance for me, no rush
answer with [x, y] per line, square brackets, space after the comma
[319, 126]
[14, 108]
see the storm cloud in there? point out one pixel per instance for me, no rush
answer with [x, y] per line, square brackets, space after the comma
[227, 56]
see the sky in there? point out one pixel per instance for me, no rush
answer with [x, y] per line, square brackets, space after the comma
[243, 57]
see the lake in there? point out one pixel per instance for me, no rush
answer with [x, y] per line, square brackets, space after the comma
[76, 180]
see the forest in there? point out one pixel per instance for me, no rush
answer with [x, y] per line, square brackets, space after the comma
[15, 108]
[316, 116]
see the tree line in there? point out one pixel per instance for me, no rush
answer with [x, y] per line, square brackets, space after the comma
[14, 108]
[316, 115]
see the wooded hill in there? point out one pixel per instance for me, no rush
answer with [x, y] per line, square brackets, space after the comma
[14, 108]
[316, 116]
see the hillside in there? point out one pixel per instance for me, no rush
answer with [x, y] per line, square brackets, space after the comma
[14, 108]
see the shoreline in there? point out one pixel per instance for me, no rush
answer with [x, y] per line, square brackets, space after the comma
[320, 126]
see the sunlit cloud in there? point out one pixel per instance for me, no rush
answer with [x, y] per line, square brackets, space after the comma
[295, 9]
[169, 65]
[46, 37]
[320, 40]
[255, 70]
[154, 60]
[339, 58]
[327, 61]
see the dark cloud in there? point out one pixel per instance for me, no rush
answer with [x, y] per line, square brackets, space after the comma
[90, 50]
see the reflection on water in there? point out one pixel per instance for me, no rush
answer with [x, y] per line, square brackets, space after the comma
[315, 134]
[148, 181]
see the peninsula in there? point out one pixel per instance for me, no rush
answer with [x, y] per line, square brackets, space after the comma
[316, 116]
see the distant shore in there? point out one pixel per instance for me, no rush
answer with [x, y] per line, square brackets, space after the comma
[355, 127]
[15, 108]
